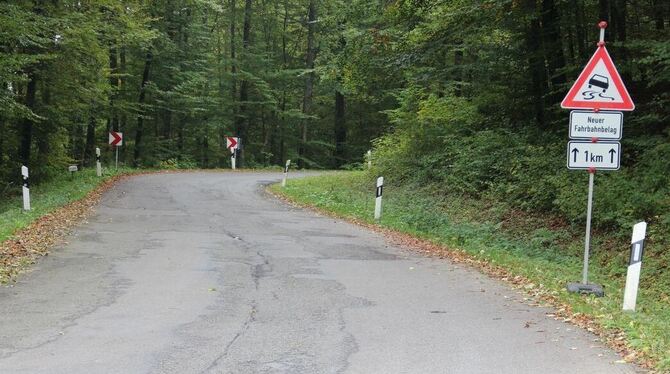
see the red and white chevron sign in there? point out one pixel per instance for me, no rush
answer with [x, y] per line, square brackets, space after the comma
[231, 142]
[116, 138]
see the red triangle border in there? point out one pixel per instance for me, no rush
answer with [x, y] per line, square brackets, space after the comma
[601, 54]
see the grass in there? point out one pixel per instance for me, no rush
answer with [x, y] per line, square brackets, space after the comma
[539, 248]
[47, 197]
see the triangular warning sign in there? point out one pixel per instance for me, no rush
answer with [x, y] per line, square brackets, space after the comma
[599, 86]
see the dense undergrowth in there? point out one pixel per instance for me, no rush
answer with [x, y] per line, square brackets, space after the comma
[545, 248]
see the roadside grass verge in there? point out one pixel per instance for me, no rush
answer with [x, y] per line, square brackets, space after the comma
[48, 196]
[541, 250]
[56, 206]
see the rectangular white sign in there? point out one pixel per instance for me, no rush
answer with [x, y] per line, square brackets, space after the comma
[602, 125]
[601, 155]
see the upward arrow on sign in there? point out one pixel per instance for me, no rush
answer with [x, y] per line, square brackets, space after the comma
[599, 86]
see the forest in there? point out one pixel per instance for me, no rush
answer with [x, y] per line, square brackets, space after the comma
[459, 94]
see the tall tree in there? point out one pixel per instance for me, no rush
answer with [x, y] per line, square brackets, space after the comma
[310, 56]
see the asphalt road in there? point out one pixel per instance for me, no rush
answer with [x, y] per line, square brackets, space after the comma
[204, 273]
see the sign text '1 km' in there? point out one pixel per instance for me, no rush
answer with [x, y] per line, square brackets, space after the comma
[584, 155]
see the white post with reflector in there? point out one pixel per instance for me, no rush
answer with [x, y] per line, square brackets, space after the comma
[232, 143]
[98, 165]
[634, 266]
[378, 198]
[26, 188]
[283, 182]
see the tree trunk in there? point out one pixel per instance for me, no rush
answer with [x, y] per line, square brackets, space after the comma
[309, 82]
[27, 126]
[114, 83]
[659, 13]
[122, 83]
[89, 149]
[140, 118]
[340, 130]
[280, 154]
[604, 10]
[578, 7]
[205, 152]
[537, 71]
[621, 36]
[241, 126]
[458, 63]
[553, 49]
[180, 136]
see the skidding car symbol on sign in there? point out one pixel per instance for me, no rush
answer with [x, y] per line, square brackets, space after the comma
[598, 81]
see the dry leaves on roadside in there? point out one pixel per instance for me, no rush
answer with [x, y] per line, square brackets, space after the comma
[35, 240]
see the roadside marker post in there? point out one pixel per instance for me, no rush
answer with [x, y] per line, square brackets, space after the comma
[283, 182]
[116, 140]
[232, 143]
[72, 169]
[634, 266]
[378, 198]
[26, 188]
[98, 165]
[600, 95]
[369, 157]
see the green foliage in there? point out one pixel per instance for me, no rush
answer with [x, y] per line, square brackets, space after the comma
[174, 163]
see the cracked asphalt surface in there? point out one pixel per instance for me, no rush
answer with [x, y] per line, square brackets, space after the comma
[205, 273]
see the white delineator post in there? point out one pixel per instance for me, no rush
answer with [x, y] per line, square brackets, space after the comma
[26, 188]
[98, 165]
[283, 182]
[232, 158]
[634, 266]
[369, 154]
[378, 198]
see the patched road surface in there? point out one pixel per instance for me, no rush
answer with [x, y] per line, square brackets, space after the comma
[205, 273]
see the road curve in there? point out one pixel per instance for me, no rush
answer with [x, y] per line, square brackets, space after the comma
[204, 273]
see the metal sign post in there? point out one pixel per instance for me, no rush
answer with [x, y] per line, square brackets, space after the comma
[601, 94]
[587, 236]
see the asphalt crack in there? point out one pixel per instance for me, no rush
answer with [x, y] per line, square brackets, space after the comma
[251, 318]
